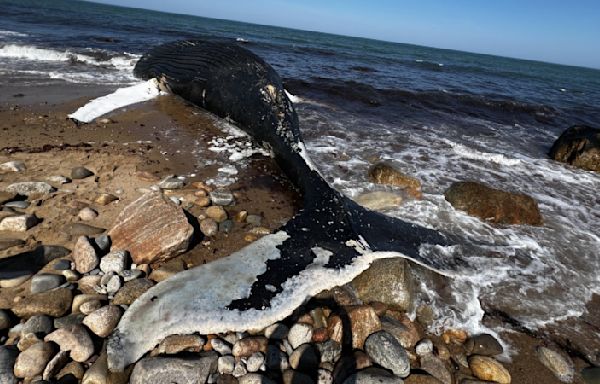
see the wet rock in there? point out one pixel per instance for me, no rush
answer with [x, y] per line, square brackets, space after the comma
[152, 229]
[84, 255]
[217, 213]
[387, 173]
[255, 361]
[402, 329]
[225, 364]
[484, 345]
[579, 146]
[379, 200]
[159, 370]
[455, 336]
[105, 198]
[53, 303]
[221, 197]
[209, 227]
[115, 261]
[388, 281]
[43, 282]
[13, 166]
[104, 320]
[559, 363]
[81, 229]
[246, 347]
[226, 226]
[171, 183]
[19, 223]
[8, 355]
[78, 173]
[305, 358]
[254, 378]
[30, 188]
[131, 291]
[299, 334]
[241, 217]
[493, 205]
[74, 339]
[486, 368]
[386, 351]
[55, 364]
[180, 343]
[32, 361]
[436, 368]
[87, 214]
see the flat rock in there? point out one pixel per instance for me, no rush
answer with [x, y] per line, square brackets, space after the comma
[84, 255]
[579, 146]
[74, 339]
[20, 223]
[104, 320]
[81, 229]
[53, 303]
[13, 166]
[387, 173]
[160, 370]
[388, 281]
[131, 291]
[221, 197]
[171, 183]
[385, 350]
[180, 343]
[45, 282]
[486, 368]
[559, 363]
[80, 173]
[30, 188]
[33, 360]
[493, 205]
[8, 355]
[152, 229]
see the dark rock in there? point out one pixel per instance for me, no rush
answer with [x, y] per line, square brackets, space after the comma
[221, 197]
[373, 376]
[45, 282]
[436, 368]
[305, 358]
[69, 320]
[62, 265]
[226, 226]
[102, 242]
[484, 344]
[387, 173]
[493, 205]
[386, 351]
[578, 146]
[159, 370]
[294, 377]
[591, 375]
[80, 173]
[39, 325]
[8, 355]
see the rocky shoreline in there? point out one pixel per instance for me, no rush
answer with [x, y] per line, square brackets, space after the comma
[94, 226]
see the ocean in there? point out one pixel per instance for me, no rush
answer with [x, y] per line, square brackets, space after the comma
[440, 115]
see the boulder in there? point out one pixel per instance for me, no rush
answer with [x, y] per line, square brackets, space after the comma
[388, 281]
[387, 173]
[152, 229]
[579, 146]
[493, 205]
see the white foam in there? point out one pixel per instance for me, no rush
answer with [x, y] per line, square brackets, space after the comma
[4, 33]
[120, 98]
[293, 98]
[471, 153]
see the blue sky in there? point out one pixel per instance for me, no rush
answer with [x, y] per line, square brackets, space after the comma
[566, 32]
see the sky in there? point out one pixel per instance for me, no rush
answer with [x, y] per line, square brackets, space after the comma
[565, 32]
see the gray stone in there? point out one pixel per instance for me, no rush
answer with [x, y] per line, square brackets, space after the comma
[102, 242]
[209, 227]
[13, 166]
[305, 358]
[373, 376]
[131, 274]
[330, 351]
[239, 370]
[255, 361]
[484, 345]
[19, 204]
[385, 350]
[255, 220]
[104, 320]
[226, 364]
[69, 320]
[220, 346]
[33, 360]
[115, 261]
[436, 368]
[80, 173]
[424, 347]
[30, 188]
[43, 282]
[112, 283]
[81, 229]
[19, 223]
[39, 325]
[160, 370]
[226, 226]
[221, 197]
[84, 255]
[62, 265]
[171, 183]
[8, 355]
[559, 363]
[388, 281]
[74, 339]
[254, 378]
[299, 334]
[4, 319]
[55, 364]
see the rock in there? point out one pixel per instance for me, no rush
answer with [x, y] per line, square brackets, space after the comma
[493, 205]
[90, 306]
[579, 146]
[43, 282]
[62, 265]
[486, 368]
[83, 298]
[30, 188]
[180, 343]
[13, 166]
[115, 261]
[254, 220]
[72, 370]
[99, 373]
[74, 339]
[171, 183]
[373, 376]
[402, 329]
[104, 320]
[241, 217]
[55, 364]
[14, 282]
[19, 223]
[299, 334]
[160, 370]
[275, 359]
[559, 363]
[330, 351]
[4, 320]
[32, 361]
[424, 347]
[483, 345]
[39, 325]
[27, 340]
[386, 351]
[455, 336]
[255, 361]
[58, 179]
[87, 214]
[225, 364]
[436, 368]
[363, 322]
[305, 358]
[131, 291]
[254, 378]
[416, 378]
[221, 197]
[105, 198]
[379, 200]
[226, 226]
[86, 284]
[217, 213]
[387, 173]
[324, 376]
[110, 284]
[84, 255]
[152, 229]
[53, 303]
[209, 227]
[276, 331]
[9, 243]
[388, 281]
[78, 173]
[81, 229]
[20, 204]
[294, 377]
[246, 347]
[68, 320]
[8, 355]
